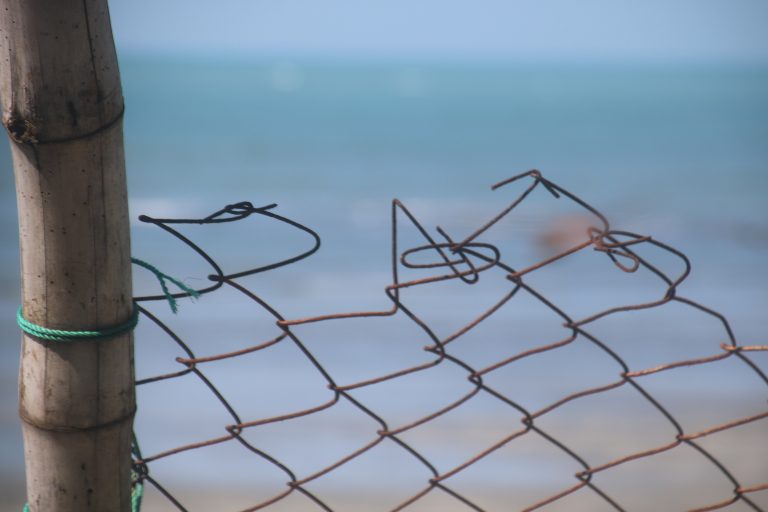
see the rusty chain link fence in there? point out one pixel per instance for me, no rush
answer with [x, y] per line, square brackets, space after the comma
[518, 395]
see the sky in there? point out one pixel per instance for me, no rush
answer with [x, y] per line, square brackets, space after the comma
[724, 30]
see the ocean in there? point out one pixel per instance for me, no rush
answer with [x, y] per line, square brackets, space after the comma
[677, 151]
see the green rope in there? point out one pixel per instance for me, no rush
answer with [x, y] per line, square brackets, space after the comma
[45, 333]
[137, 484]
[162, 278]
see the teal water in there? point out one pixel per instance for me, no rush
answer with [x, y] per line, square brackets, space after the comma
[675, 151]
[363, 127]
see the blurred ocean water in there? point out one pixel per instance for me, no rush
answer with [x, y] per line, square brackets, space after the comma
[678, 152]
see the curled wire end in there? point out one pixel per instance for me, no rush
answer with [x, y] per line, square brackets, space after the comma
[469, 278]
[238, 211]
[537, 176]
[617, 250]
[464, 253]
[534, 173]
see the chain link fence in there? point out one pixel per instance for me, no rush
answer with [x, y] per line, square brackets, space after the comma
[483, 385]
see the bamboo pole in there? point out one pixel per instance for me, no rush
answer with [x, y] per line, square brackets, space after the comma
[62, 108]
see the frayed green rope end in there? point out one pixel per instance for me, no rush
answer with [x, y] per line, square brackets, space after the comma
[162, 277]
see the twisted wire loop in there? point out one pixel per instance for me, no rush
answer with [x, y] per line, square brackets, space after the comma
[464, 260]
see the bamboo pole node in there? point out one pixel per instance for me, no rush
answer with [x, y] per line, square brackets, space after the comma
[25, 131]
[21, 130]
[88, 428]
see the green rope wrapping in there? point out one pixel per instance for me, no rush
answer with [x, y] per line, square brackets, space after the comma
[45, 333]
[63, 335]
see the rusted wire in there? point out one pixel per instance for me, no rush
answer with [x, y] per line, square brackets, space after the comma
[466, 261]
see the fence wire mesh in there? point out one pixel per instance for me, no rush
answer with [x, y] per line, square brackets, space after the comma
[458, 371]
